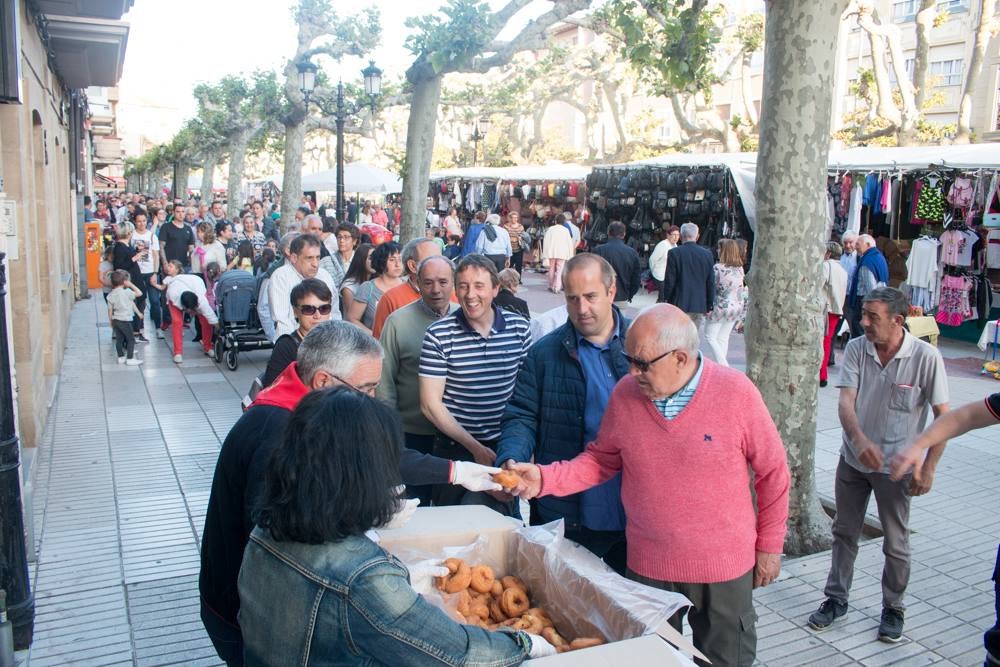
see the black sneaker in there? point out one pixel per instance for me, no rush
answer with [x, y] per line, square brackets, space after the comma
[141, 338]
[890, 628]
[827, 613]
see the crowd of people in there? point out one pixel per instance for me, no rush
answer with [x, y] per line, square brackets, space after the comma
[410, 373]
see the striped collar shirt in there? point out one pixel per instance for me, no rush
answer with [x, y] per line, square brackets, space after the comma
[672, 405]
[479, 372]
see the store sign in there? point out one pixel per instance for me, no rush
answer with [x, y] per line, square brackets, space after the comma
[7, 217]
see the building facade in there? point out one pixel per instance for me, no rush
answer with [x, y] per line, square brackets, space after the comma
[52, 51]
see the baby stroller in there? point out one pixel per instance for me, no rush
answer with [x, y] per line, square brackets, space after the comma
[239, 325]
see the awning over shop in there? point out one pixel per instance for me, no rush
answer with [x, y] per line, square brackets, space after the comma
[549, 172]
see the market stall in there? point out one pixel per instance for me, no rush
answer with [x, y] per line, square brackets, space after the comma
[938, 209]
[714, 191]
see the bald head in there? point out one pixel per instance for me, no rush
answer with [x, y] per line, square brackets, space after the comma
[667, 326]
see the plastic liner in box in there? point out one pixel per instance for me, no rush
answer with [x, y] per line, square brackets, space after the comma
[582, 595]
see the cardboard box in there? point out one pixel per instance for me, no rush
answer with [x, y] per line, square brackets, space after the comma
[569, 581]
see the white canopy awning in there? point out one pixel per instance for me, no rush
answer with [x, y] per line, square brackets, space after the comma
[969, 156]
[548, 172]
[358, 177]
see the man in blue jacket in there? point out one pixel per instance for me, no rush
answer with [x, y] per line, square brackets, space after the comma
[559, 400]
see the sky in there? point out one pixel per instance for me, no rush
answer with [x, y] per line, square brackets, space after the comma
[175, 44]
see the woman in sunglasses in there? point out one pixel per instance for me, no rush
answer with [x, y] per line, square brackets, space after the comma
[312, 303]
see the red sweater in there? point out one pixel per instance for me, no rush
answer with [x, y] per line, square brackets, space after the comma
[685, 483]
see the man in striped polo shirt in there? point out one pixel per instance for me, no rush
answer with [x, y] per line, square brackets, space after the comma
[468, 366]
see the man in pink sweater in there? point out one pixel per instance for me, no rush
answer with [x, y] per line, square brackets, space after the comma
[682, 431]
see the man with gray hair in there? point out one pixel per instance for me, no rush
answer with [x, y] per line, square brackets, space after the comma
[414, 253]
[872, 272]
[849, 258]
[888, 379]
[495, 243]
[692, 524]
[689, 281]
[333, 353]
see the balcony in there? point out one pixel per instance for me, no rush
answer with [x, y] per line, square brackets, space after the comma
[87, 52]
[107, 151]
[102, 9]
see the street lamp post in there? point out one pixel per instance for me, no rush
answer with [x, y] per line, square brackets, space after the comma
[373, 88]
[477, 136]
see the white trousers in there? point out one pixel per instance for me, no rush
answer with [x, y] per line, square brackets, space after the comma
[717, 337]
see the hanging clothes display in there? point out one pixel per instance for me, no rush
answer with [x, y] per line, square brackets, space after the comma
[930, 205]
[854, 211]
[954, 307]
[923, 275]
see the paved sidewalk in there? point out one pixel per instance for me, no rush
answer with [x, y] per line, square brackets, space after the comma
[123, 477]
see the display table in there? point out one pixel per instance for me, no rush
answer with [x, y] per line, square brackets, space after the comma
[924, 327]
[989, 335]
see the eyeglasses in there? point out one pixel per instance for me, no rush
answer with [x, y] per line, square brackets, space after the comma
[366, 389]
[309, 309]
[643, 366]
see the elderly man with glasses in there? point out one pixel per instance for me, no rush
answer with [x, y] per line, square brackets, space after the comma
[331, 354]
[684, 433]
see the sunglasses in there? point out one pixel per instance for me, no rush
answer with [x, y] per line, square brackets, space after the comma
[309, 309]
[643, 366]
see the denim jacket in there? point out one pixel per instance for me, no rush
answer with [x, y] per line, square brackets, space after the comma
[350, 603]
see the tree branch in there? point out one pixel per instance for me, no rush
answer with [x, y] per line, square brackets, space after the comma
[531, 37]
[924, 21]
[654, 13]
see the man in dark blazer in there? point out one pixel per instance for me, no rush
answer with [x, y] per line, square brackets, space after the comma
[624, 260]
[689, 282]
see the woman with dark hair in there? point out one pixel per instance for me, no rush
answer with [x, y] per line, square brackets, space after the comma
[259, 265]
[387, 266]
[314, 589]
[311, 304]
[358, 272]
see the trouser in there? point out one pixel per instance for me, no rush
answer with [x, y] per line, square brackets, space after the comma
[717, 337]
[853, 316]
[555, 273]
[140, 304]
[154, 295]
[499, 261]
[832, 327]
[453, 494]
[723, 620]
[852, 490]
[177, 330]
[226, 638]
[517, 261]
[124, 338]
[425, 445]
[991, 640]
[832, 324]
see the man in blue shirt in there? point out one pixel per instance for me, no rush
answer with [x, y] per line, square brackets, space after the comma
[494, 242]
[472, 234]
[560, 398]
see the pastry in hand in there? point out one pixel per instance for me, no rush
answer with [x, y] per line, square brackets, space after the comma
[508, 479]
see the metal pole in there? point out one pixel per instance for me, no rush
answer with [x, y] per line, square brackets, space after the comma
[341, 204]
[13, 550]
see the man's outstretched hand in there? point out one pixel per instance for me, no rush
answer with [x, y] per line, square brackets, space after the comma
[531, 479]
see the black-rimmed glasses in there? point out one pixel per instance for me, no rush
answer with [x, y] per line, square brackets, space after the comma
[643, 366]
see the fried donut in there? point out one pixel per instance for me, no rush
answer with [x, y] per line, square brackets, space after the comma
[532, 624]
[496, 611]
[510, 622]
[550, 635]
[458, 578]
[482, 578]
[497, 589]
[585, 642]
[510, 581]
[463, 602]
[479, 609]
[508, 479]
[514, 601]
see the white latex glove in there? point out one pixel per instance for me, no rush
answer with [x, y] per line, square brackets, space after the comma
[473, 476]
[406, 510]
[540, 648]
[422, 575]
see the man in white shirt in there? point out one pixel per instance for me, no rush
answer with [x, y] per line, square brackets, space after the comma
[185, 292]
[303, 262]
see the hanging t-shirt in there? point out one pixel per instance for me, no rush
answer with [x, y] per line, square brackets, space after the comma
[993, 249]
[956, 247]
[930, 206]
[922, 264]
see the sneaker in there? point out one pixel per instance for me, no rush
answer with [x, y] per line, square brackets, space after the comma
[121, 360]
[823, 383]
[828, 612]
[141, 338]
[133, 362]
[178, 358]
[890, 628]
[159, 334]
[209, 353]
